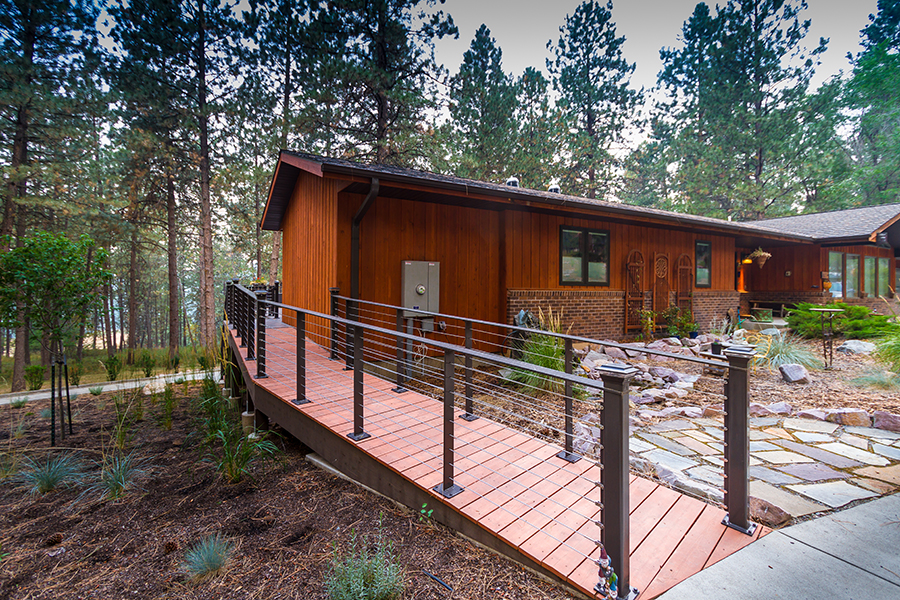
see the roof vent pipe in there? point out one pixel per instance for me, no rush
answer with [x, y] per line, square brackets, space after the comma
[554, 188]
[513, 182]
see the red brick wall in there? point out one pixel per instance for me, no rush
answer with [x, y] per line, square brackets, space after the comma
[601, 313]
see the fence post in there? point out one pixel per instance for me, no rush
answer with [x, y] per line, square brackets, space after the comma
[334, 332]
[447, 488]
[614, 475]
[358, 432]
[567, 453]
[469, 415]
[261, 311]
[240, 322]
[737, 442]
[351, 314]
[301, 360]
[250, 325]
[401, 363]
[232, 315]
[229, 288]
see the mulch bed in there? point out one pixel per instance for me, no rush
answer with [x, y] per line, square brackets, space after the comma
[284, 522]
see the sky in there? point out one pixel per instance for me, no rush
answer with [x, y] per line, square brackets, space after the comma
[523, 27]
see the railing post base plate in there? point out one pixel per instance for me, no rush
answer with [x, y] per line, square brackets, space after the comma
[261, 377]
[358, 437]
[568, 456]
[468, 417]
[447, 492]
[299, 401]
[399, 390]
[748, 531]
[632, 593]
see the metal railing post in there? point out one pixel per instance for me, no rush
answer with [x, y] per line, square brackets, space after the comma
[447, 488]
[250, 325]
[401, 363]
[229, 290]
[240, 320]
[469, 415]
[334, 331]
[737, 442]
[359, 432]
[567, 452]
[301, 360]
[351, 314]
[262, 311]
[614, 474]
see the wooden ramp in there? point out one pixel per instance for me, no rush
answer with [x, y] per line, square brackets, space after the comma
[519, 498]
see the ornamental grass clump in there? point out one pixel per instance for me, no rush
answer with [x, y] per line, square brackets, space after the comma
[117, 475]
[889, 351]
[236, 453]
[879, 379]
[542, 350]
[364, 573]
[208, 557]
[784, 349]
[50, 473]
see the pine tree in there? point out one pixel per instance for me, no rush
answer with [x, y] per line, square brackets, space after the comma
[540, 129]
[592, 76]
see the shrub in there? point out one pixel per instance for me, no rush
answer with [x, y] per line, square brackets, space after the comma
[112, 365]
[878, 378]
[45, 475]
[855, 322]
[46, 413]
[889, 350]
[169, 403]
[544, 351]
[128, 412]
[76, 370]
[783, 349]
[96, 390]
[34, 377]
[239, 453]
[9, 464]
[208, 556]
[117, 475]
[19, 402]
[365, 574]
[147, 362]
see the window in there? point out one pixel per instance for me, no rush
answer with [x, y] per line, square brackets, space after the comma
[584, 256]
[884, 276]
[851, 282]
[869, 276]
[836, 273]
[703, 262]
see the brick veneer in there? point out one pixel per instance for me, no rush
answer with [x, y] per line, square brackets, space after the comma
[601, 313]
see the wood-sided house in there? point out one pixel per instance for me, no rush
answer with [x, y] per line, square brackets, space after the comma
[503, 248]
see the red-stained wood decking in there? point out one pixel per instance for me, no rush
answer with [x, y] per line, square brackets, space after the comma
[514, 486]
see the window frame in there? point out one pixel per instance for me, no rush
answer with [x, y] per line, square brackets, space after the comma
[709, 245]
[585, 232]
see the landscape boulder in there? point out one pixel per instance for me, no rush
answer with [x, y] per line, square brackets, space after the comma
[812, 413]
[661, 372]
[793, 373]
[856, 347]
[767, 513]
[886, 420]
[854, 417]
[714, 410]
[615, 353]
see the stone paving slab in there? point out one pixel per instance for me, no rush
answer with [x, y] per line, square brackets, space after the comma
[891, 452]
[635, 444]
[671, 425]
[810, 425]
[829, 458]
[779, 432]
[666, 444]
[707, 474]
[764, 421]
[813, 472]
[853, 453]
[888, 474]
[667, 459]
[700, 436]
[856, 442]
[792, 503]
[758, 434]
[879, 487]
[761, 446]
[782, 457]
[695, 445]
[771, 476]
[810, 437]
[832, 493]
[871, 432]
[716, 433]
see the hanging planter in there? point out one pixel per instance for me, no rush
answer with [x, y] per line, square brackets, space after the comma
[760, 256]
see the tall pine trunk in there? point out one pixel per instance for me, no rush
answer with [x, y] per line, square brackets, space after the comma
[207, 293]
[132, 298]
[172, 233]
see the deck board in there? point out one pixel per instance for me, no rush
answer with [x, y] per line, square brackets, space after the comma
[513, 485]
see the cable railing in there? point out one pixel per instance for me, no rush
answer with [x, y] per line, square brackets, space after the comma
[470, 378]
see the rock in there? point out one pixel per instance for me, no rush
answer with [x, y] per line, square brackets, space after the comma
[650, 396]
[675, 393]
[615, 353]
[856, 347]
[691, 342]
[632, 352]
[683, 385]
[716, 410]
[855, 417]
[597, 358]
[767, 513]
[642, 465]
[688, 378]
[886, 420]
[758, 410]
[680, 481]
[770, 331]
[672, 341]
[635, 422]
[649, 414]
[692, 412]
[657, 345]
[794, 373]
[780, 408]
[818, 415]
[661, 372]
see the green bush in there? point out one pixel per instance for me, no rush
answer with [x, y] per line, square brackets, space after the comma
[169, 403]
[208, 556]
[45, 475]
[76, 369]
[237, 453]
[147, 362]
[365, 574]
[112, 365]
[117, 475]
[19, 402]
[784, 349]
[543, 351]
[96, 390]
[855, 322]
[34, 377]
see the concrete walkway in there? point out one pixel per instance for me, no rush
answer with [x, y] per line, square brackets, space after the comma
[155, 383]
[851, 554]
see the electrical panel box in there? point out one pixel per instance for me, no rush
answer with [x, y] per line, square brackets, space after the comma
[420, 281]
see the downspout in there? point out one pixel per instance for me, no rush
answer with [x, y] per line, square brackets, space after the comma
[354, 244]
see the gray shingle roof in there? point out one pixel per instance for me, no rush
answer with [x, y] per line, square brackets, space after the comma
[839, 224]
